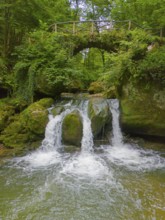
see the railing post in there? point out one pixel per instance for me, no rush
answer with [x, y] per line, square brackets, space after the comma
[92, 28]
[161, 33]
[29, 40]
[129, 25]
[74, 27]
[55, 27]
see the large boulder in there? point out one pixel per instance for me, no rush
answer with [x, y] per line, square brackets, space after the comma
[98, 111]
[27, 129]
[72, 129]
[143, 110]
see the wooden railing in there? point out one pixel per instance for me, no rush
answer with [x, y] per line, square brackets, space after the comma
[98, 26]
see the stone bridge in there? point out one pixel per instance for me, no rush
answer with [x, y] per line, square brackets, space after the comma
[102, 34]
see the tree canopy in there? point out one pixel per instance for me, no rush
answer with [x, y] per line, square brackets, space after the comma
[30, 52]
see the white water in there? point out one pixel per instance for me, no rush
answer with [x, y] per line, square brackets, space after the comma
[117, 138]
[52, 140]
[87, 139]
[129, 155]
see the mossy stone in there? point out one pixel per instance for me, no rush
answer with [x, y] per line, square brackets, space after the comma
[72, 129]
[96, 87]
[98, 111]
[111, 93]
[57, 110]
[143, 111]
[27, 127]
[6, 110]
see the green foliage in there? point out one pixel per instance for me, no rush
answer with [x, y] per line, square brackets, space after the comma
[148, 13]
[135, 63]
[153, 66]
[46, 65]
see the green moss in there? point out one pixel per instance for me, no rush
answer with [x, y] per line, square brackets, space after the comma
[111, 93]
[143, 111]
[98, 111]
[27, 128]
[45, 102]
[95, 87]
[6, 110]
[72, 129]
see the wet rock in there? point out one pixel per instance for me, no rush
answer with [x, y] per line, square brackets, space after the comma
[143, 110]
[98, 111]
[72, 129]
[57, 110]
[71, 148]
[6, 111]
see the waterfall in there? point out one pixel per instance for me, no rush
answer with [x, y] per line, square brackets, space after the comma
[87, 139]
[52, 140]
[53, 132]
[117, 137]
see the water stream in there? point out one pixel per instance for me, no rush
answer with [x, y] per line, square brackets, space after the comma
[117, 181]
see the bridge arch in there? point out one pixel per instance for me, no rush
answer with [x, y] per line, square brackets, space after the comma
[96, 43]
[110, 41]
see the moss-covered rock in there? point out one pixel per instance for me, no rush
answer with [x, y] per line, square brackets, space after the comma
[72, 129]
[96, 87]
[98, 111]
[143, 110]
[6, 110]
[27, 128]
[57, 110]
[36, 116]
[111, 93]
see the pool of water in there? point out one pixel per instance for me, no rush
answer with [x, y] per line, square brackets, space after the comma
[110, 183]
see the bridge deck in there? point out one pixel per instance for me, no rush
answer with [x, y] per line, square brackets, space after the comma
[98, 26]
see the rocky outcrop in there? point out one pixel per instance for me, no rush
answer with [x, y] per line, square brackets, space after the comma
[143, 110]
[72, 129]
[6, 111]
[26, 130]
[98, 111]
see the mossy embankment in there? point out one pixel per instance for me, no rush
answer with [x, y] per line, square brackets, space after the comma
[24, 131]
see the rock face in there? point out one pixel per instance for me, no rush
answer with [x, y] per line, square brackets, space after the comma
[6, 110]
[57, 110]
[27, 129]
[98, 111]
[143, 110]
[72, 129]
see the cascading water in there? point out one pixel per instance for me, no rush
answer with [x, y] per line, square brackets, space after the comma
[53, 132]
[52, 140]
[87, 139]
[129, 155]
[117, 138]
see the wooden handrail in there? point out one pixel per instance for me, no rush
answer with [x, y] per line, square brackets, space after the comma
[55, 26]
